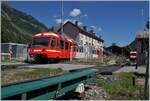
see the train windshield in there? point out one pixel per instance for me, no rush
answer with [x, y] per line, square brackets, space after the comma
[40, 42]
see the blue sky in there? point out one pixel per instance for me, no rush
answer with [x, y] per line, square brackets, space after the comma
[115, 21]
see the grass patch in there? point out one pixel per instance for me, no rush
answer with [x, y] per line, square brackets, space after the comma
[97, 62]
[122, 89]
[13, 76]
[106, 60]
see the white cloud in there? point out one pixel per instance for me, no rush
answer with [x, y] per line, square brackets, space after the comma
[55, 16]
[85, 15]
[75, 12]
[99, 29]
[94, 27]
[58, 21]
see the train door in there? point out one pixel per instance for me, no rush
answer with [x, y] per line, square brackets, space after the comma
[62, 48]
[54, 50]
[71, 50]
[67, 49]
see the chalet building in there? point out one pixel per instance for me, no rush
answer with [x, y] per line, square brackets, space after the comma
[114, 49]
[83, 37]
[142, 46]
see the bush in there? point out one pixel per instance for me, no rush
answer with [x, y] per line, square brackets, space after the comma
[122, 88]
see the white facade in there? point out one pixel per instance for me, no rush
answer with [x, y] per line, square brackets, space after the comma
[86, 40]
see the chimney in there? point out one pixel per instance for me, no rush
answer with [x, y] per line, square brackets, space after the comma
[85, 28]
[76, 23]
[91, 31]
[94, 33]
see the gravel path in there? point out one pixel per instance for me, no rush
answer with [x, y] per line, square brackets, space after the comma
[66, 67]
[140, 69]
[95, 93]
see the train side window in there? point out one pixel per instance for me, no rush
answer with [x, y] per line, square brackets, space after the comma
[66, 45]
[61, 44]
[70, 46]
[53, 42]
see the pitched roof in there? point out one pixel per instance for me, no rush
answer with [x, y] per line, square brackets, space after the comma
[82, 31]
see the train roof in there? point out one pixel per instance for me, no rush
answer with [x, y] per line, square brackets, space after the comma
[42, 34]
[46, 34]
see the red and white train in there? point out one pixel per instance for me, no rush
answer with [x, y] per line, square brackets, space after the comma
[51, 46]
[133, 55]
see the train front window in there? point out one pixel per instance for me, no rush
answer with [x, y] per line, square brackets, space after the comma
[38, 42]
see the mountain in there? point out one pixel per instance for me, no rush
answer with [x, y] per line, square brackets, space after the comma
[17, 26]
[115, 49]
[132, 45]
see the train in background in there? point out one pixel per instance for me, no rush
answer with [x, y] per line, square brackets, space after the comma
[50, 46]
[133, 56]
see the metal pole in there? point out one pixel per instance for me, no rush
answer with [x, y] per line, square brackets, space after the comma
[137, 54]
[62, 16]
[146, 88]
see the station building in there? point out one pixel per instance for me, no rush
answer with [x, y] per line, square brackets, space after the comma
[142, 46]
[90, 45]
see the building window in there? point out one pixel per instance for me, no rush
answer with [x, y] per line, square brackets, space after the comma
[80, 49]
[81, 41]
[86, 43]
[94, 51]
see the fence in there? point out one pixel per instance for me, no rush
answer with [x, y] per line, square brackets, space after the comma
[17, 51]
[49, 87]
